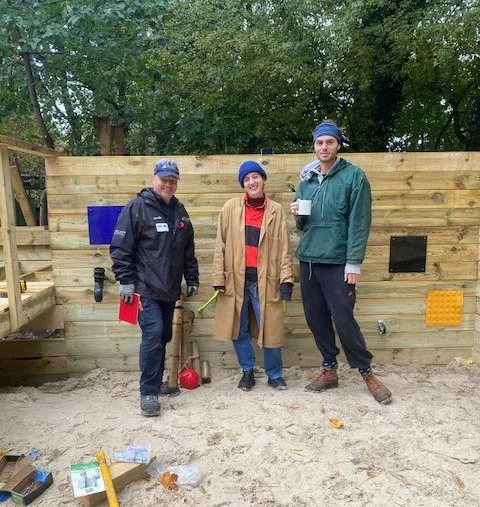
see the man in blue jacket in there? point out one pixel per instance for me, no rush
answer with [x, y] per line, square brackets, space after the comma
[152, 248]
[331, 249]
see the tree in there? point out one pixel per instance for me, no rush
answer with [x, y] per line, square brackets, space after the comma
[442, 93]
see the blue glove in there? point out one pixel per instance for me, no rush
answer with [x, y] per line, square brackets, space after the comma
[191, 290]
[126, 292]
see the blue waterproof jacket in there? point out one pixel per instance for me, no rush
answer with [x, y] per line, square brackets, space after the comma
[337, 230]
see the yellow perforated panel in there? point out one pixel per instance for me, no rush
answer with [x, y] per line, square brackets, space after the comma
[444, 308]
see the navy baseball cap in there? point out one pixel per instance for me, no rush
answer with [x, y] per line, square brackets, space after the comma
[166, 167]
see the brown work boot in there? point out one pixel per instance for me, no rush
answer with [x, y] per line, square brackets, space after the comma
[379, 391]
[326, 379]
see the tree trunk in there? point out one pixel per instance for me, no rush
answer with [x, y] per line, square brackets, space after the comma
[34, 100]
[104, 129]
[118, 141]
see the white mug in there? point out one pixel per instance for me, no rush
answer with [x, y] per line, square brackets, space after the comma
[304, 207]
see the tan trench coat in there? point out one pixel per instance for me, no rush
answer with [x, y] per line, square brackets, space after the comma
[274, 268]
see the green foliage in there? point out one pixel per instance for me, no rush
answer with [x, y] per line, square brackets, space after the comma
[211, 76]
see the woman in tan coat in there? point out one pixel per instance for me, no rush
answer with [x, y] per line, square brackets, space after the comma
[253, 267]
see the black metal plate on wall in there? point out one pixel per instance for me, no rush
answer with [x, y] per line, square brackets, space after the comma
[408, 254]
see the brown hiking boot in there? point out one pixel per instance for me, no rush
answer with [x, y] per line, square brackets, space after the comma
[326, 379]
[379, 391]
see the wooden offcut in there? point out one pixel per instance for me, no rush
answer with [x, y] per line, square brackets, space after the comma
[176, 344]
[122, 474]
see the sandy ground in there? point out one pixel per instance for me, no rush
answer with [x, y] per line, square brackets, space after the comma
[266, 448]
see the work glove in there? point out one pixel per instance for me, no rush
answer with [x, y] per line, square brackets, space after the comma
[286, 290]
[191, 290]
[126, 292]
[220, 288]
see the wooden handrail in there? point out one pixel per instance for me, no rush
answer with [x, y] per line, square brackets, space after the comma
[26, 147]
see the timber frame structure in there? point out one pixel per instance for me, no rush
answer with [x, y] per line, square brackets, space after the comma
[22, 307]
[435, 195]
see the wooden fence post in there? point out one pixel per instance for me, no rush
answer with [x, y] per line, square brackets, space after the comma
[9, 242]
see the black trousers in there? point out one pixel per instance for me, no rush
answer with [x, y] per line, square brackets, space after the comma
[326, 297]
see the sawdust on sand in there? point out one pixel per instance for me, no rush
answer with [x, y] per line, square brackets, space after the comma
[266, 448]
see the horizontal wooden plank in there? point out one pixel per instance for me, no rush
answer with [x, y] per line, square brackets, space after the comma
[27, 147]
[381, 356]
[114, 362]
[30, 254]
[131, 183]
[51, 319]
[295, 328]
[38, 299]
[381, 200]
[81, 268]
[37, 235]
[23, 349]
[107, 345]
[447, 271]
[37, 304]
[459, 222]
[206, 227]
[439, 258]
[476, 346]
[295, 324]
[431, 355]
[100, 347]
[433, 162]
[31, 380]
[415, 287]
[387, 305]
[35, 366]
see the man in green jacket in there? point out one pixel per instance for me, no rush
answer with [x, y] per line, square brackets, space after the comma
[331, 249]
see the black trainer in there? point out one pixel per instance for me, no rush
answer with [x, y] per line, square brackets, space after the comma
[277, 383]
[247, 381]
[166, 390]
[149, 405]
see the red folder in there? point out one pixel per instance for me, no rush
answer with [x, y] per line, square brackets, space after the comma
[128, 312]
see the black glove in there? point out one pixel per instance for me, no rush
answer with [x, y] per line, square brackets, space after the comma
[286, 290]
[221, 288]
[192, 290]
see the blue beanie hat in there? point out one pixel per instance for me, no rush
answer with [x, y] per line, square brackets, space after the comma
[327, 128]
[250, 166]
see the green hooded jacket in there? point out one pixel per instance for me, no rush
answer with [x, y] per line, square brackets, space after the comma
[337, 230]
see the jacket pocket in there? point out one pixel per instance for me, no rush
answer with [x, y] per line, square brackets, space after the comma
[229, 283]
[273, 290]
[315, 240]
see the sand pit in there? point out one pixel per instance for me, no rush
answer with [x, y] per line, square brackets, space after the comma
[266, 448]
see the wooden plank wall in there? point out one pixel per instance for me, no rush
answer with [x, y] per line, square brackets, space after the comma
[33, 249]
[33, 361]
[432, 194]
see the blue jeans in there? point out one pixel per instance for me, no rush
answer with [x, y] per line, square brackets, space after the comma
[155, 320]
[243, 344]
